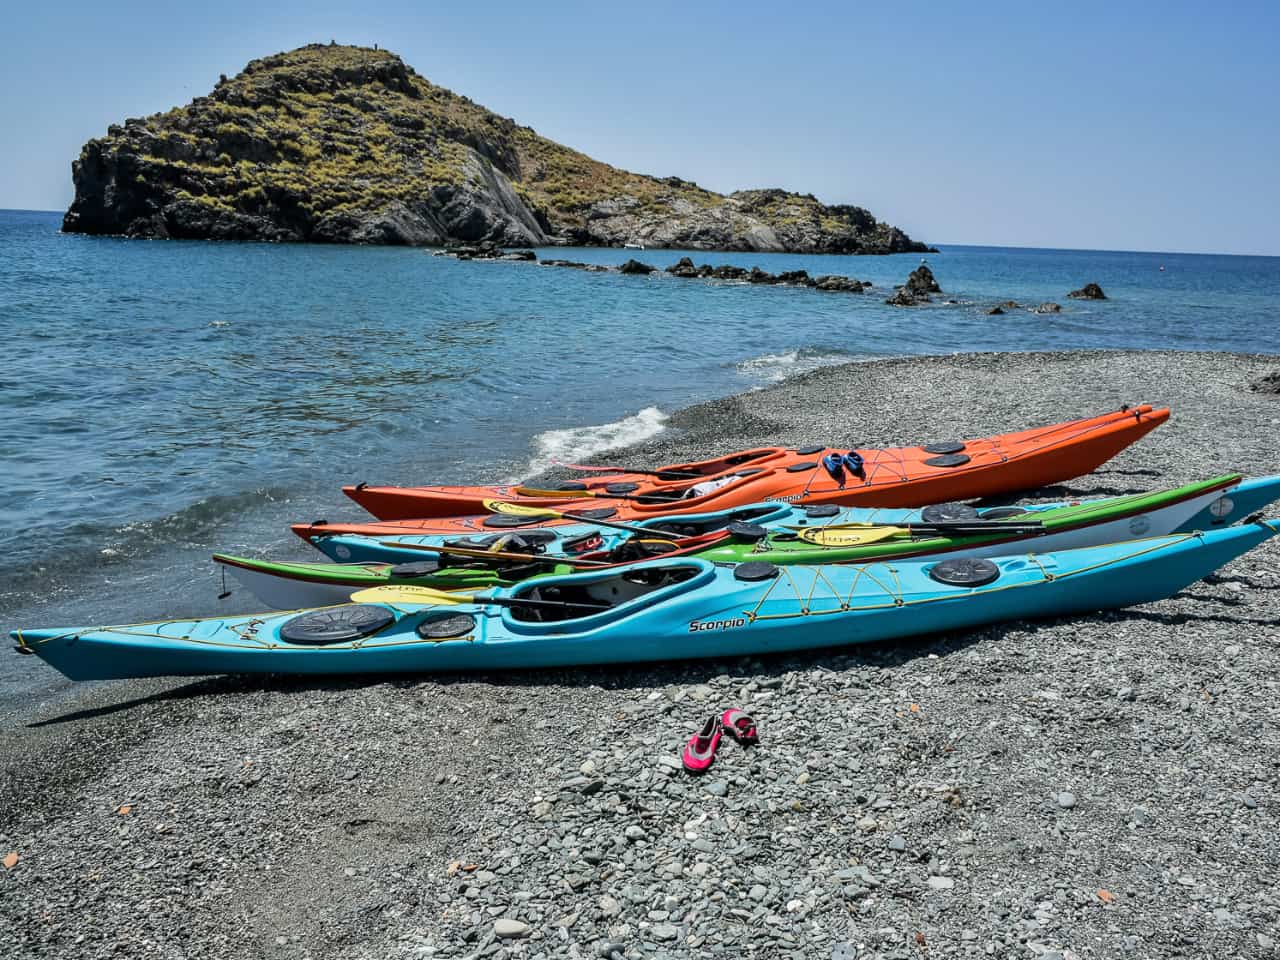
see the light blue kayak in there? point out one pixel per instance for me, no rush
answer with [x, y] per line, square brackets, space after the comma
[1232, 500]
[656, 610]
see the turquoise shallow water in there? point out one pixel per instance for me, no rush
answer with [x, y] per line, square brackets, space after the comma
[165, 398]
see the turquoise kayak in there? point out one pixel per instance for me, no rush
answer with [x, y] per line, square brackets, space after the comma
[661, 609]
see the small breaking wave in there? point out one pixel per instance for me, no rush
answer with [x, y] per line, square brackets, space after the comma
[576, 443]
[74, 551]
[773, 367]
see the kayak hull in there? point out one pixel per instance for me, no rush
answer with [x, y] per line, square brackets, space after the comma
[894, 477]
[696, 609]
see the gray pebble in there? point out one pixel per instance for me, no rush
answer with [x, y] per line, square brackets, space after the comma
[509, 929]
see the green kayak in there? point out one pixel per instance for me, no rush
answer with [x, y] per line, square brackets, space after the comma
[300, 584]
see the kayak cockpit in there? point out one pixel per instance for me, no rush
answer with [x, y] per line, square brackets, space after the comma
[691, 525]
[593, 599]
[709, 468]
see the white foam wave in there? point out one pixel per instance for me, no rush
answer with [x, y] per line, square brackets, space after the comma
[577, 443]
[773, 367]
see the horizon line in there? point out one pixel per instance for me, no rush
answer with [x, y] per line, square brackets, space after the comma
[938, 243]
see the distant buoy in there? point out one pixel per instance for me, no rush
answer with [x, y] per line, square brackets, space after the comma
[1162, 268]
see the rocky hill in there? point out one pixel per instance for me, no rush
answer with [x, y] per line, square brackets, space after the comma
[346, 144]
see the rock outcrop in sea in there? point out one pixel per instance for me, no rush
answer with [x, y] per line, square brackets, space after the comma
[920, 283]
[344, 144]
[1090, 291]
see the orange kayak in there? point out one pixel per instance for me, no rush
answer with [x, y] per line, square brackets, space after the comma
[892, 477]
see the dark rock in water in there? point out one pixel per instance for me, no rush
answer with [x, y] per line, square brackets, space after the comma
[921, 282]
[1090, 291]
[905, 298]
[575, 265]
[1267, 384]
[759, 276]
[519, 255]
[635, 266]
[728, 272]
[342, 144]
[995, 312]
[839, 284]
[798, 278]
[706, 270]
[1011, 305]
[473, 251]
[683, 268]
[1048, 308]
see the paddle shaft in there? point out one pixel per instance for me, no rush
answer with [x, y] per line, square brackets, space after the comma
[543, 604]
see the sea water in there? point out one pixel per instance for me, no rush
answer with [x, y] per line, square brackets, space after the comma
[164, 399]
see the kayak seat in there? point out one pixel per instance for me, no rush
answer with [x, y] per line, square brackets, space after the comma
[663, 496]
[637, 548]
[606, 592]
[535, 539]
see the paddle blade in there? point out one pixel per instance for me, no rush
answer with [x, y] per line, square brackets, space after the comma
[408, 593]
[846, 537]
[518, 509]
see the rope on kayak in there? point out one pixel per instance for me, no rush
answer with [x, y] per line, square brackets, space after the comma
[894, 595]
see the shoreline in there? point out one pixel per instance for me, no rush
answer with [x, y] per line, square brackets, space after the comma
[292, 817]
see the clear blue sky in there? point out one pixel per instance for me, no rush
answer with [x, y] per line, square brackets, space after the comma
[1117, 126]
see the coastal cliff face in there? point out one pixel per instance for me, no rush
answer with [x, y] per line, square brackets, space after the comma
[346, 144]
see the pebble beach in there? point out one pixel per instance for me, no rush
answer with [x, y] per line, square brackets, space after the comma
[1101, 786]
